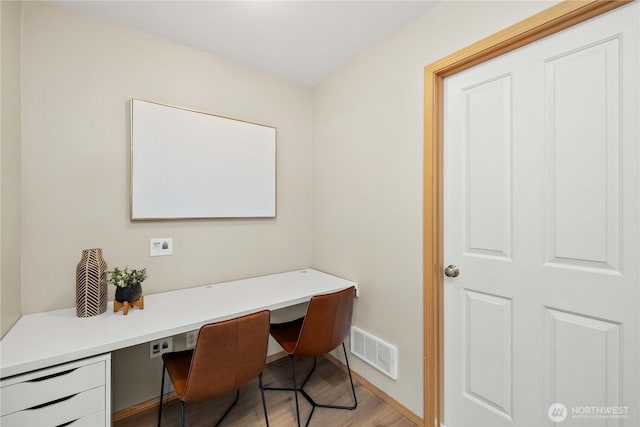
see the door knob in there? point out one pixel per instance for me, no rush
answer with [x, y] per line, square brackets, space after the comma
[451, 271]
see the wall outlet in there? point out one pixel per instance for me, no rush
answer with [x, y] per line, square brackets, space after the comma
[161, 246]
[192, 338]
[159, 347]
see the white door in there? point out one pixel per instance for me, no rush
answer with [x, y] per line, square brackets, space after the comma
[541, 191]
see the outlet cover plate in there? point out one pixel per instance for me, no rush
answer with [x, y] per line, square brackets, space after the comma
[159, 347]
[161, 246]
[191, 339]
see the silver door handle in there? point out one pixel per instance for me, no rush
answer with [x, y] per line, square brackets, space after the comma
[451, 271]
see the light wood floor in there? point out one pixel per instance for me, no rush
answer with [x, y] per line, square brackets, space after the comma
[327, 385]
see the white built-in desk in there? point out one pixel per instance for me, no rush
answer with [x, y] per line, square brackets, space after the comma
[43, 340]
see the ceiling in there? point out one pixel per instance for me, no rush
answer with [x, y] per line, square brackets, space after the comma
[301, 41]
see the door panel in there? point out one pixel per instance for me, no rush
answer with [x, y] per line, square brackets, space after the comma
[583, 362]
[541, 191]
[488, 163]
[488, 347]
[590, 130]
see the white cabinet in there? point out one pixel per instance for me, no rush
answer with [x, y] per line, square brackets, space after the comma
[74, 394]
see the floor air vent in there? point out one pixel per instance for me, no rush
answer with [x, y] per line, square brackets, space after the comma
[374, 351]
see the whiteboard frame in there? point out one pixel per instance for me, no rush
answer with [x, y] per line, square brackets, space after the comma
[159, 135]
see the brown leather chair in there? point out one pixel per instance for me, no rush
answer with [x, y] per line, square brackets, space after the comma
[227, 355]
[324, 327]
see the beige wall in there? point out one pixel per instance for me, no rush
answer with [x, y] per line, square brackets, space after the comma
[364, 170]
[367, 176]
[78, 76]
[10, 291]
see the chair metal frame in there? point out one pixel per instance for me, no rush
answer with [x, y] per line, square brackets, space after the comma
[226, 412]
[304, 393]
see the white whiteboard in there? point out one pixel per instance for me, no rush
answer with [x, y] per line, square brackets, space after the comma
[188, 164]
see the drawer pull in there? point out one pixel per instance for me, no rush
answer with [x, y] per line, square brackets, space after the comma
[57, 374]
[68, 423]
[53, 402]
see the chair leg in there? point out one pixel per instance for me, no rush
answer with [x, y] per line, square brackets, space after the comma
[295, 389]
[353, 389]
[161, 395]
[322, 405]
[181, 413]
[313, 369]
[264, 402]
[229, 408]
[306, 395]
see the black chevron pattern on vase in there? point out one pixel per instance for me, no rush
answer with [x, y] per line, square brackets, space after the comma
[91, 284]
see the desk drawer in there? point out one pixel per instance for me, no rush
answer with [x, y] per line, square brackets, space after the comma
[51, 384]
[93, 420]
[69, 409]
[73, 394]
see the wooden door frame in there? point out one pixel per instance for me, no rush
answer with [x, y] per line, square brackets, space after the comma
[549, 21]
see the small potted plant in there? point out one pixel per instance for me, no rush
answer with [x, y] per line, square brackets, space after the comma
[128, 283]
